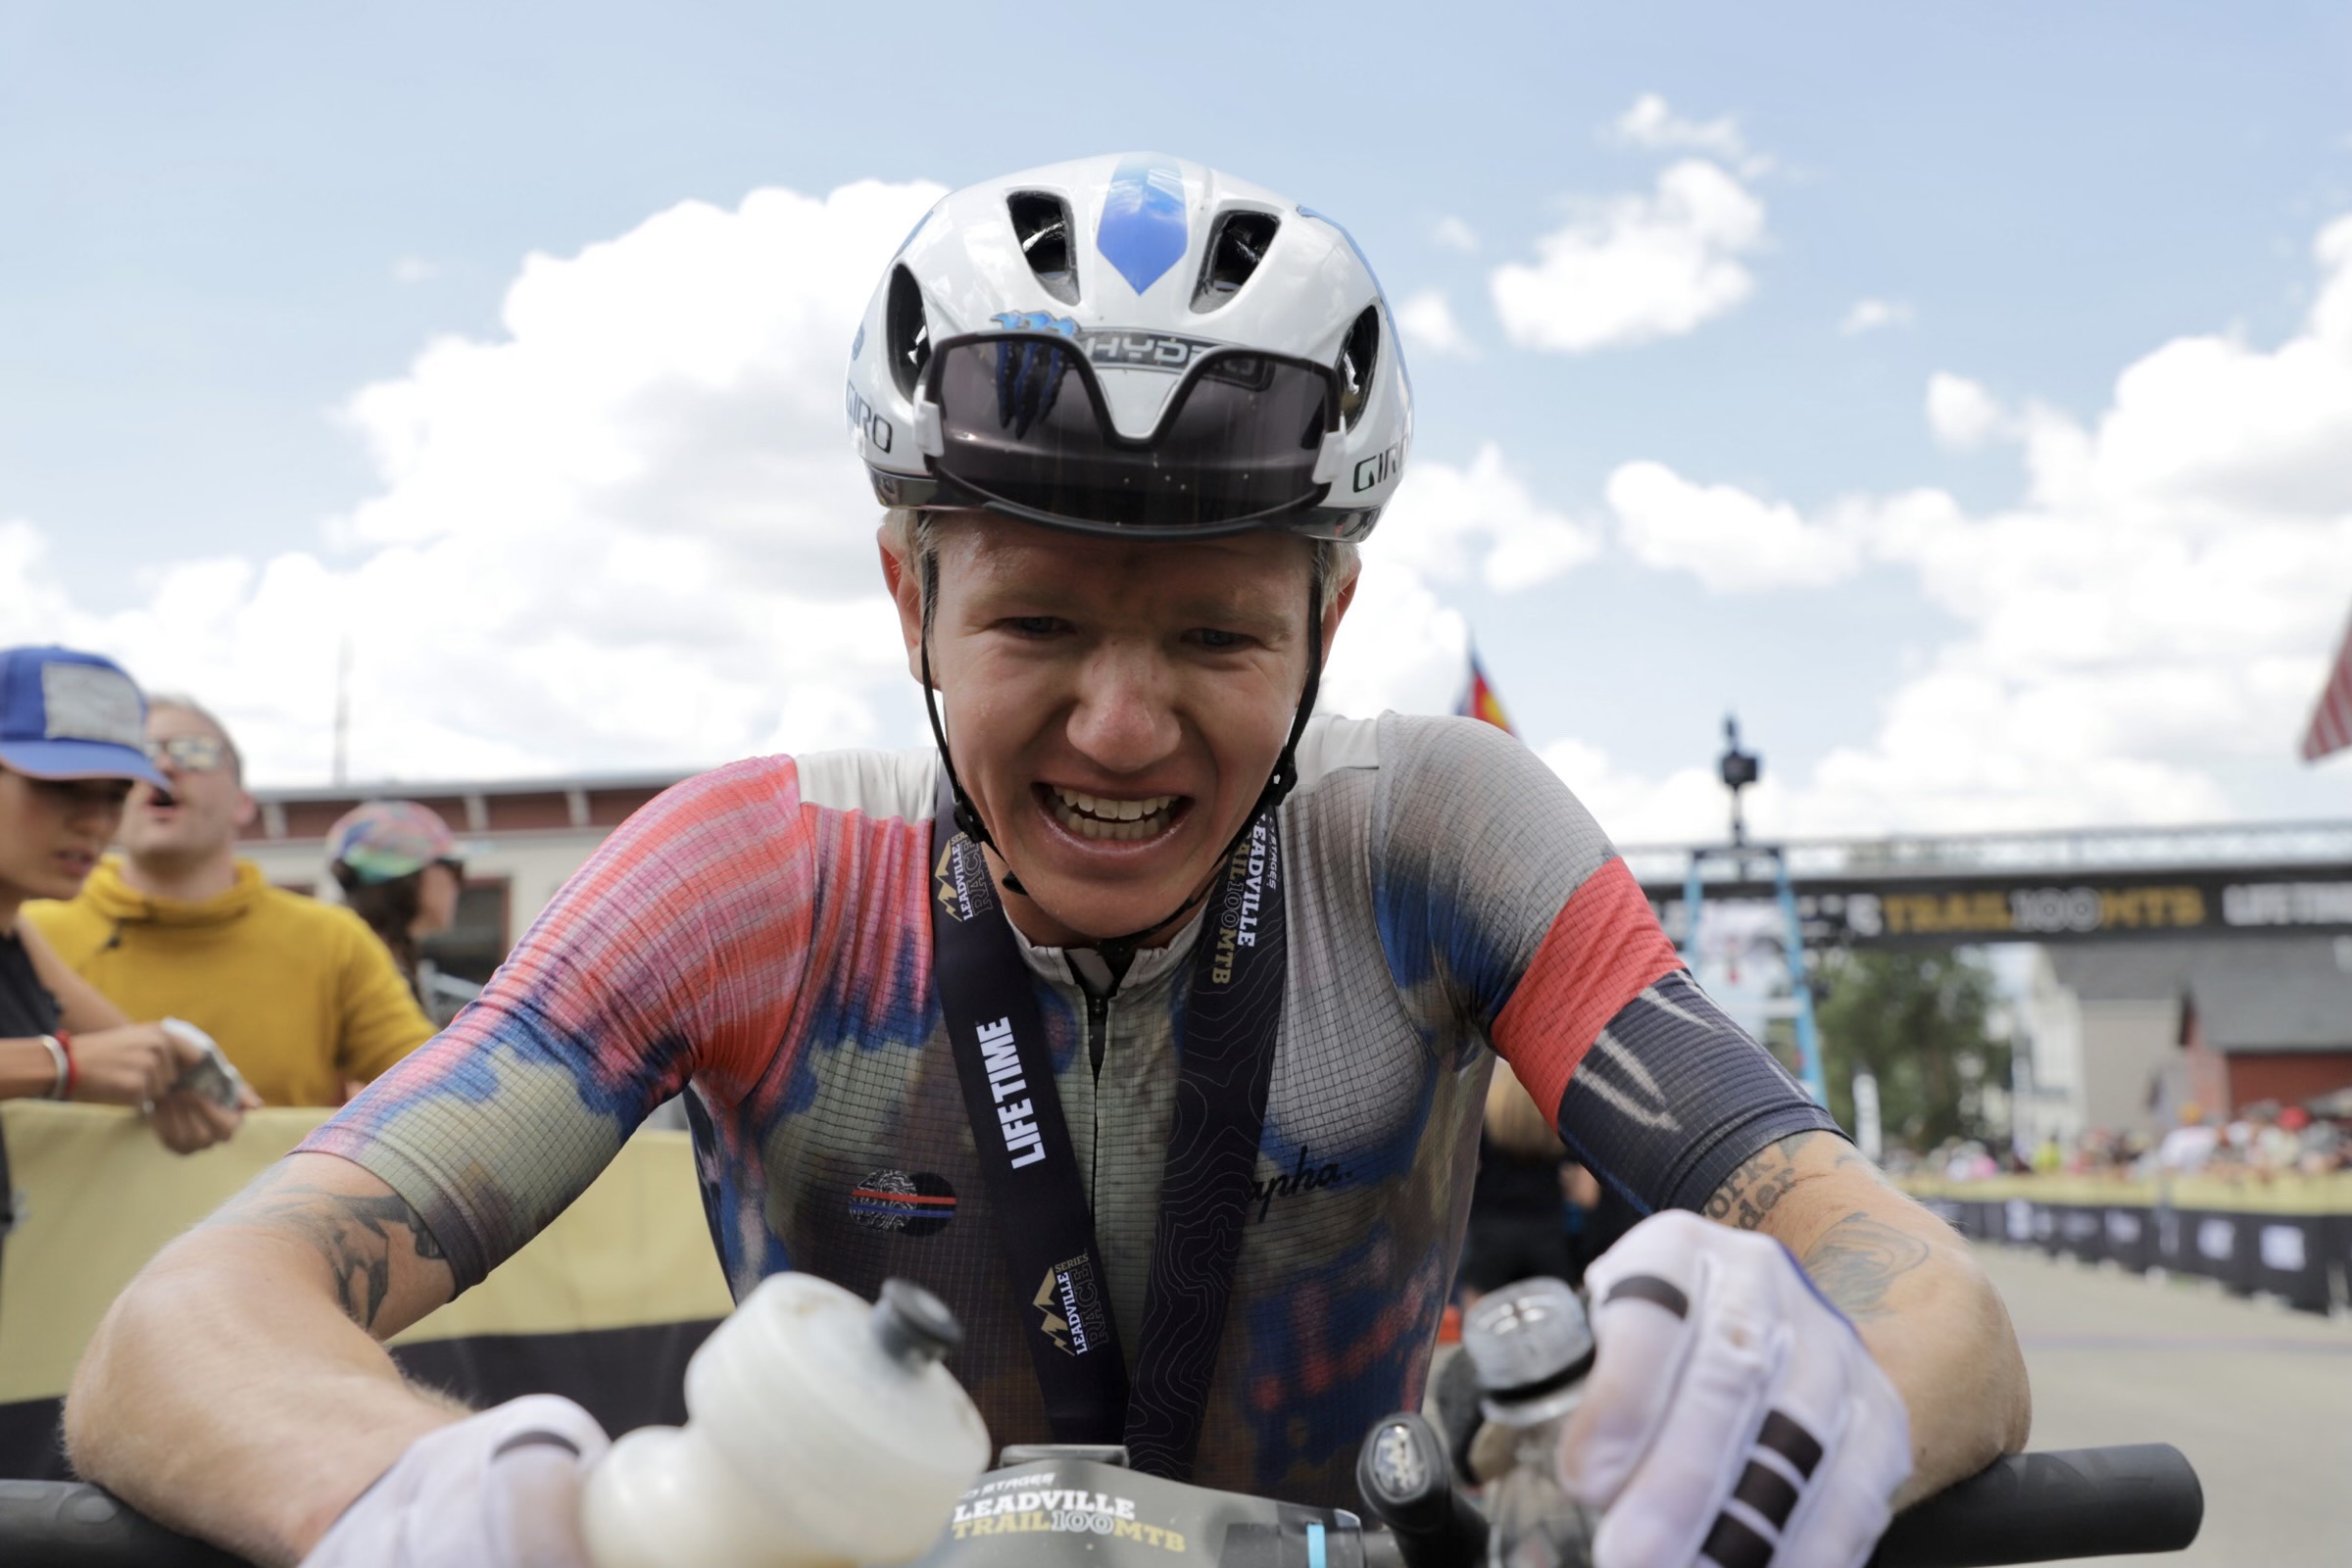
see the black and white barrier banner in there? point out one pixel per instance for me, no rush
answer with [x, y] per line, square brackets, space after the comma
[2297, 1244]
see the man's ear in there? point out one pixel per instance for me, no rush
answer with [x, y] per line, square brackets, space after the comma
[1338, 609]
[901, 577]
[247, 809]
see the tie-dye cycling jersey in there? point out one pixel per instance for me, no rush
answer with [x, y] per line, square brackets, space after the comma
[761, 935]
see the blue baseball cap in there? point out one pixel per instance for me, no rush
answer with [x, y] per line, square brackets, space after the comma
[64, 714]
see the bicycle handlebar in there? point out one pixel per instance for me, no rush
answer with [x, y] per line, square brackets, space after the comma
[2046, 1507]
[55, 1524]
[2028, 1508]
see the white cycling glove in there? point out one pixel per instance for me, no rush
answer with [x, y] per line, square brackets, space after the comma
[498, 1490]
[1733, 1416]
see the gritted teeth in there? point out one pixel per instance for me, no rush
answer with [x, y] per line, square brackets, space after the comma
[1095, 816]
[1104, 809]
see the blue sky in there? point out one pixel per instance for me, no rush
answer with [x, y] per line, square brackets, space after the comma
[222, 225]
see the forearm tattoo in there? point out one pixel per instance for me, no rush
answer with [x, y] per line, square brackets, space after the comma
[1857, 1261]
[354, 1236]
[1763, 1179]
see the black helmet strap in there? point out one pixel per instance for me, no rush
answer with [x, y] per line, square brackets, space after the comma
[1117, 951]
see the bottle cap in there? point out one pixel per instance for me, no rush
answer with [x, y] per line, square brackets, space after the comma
[1527, 1341]
[913, 1327]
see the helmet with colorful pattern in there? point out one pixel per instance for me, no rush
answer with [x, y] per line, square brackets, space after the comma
[380, 841]
[1133, 345]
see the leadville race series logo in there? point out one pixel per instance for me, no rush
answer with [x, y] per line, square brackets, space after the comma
[1069, 1304]
[1007, 1507]
[954, 892]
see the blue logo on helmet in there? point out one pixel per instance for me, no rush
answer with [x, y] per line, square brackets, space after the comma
[1034, 321]
[1143, 230]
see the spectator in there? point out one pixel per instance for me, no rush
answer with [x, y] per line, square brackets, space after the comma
[1518, 1205]
[70, 750]
[300, 994]
[399, 870]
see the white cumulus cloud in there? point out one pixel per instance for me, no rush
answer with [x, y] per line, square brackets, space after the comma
[1961, 415]
[1638, 267]
[1728, 539]
[1482, 522]
[623, 532]
[1455, 235]
[1875, 314]
[1651, 122]
[2156, 608]
[1428, 323]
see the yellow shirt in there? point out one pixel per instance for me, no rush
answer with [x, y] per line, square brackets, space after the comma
[300, 993]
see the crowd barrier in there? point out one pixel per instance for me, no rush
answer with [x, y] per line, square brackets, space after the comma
[603, 1307]
[2291, 1236]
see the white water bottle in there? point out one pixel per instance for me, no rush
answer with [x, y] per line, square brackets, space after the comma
[820, 1431]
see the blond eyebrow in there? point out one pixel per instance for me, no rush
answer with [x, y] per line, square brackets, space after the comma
[993, 595]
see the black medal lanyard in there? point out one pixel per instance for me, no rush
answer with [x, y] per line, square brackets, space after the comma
[1044, 1218]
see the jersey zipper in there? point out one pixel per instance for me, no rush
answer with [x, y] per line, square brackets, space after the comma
[1097, 1030]
[1098, 1045]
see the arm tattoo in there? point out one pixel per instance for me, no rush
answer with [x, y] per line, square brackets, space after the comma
[1859, 1260]
[1761, 1179]
[354, 1235]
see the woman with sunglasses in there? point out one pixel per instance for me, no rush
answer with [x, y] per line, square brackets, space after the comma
[397, 864]
[72, 731]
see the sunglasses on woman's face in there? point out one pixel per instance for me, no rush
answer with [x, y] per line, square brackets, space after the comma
[191, 753]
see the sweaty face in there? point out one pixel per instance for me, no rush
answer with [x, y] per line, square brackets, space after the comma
[201, 814]
[53, 831]
[1114, 707]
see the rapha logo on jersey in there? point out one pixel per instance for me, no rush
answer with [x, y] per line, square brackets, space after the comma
[1071, 1305]
[909, 1202]
[1303, 1177]
[1250, 876]
[1034, 321]
[1016, 1117]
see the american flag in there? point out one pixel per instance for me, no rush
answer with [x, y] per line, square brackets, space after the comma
[2332, 721]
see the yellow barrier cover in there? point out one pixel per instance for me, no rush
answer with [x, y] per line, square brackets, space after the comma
[97, 1196]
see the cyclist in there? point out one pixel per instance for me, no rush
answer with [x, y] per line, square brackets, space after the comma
[1144, 1020]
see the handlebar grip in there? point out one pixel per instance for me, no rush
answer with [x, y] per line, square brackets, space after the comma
[2044, 1508]
[57, 1523]
[1406, 1481]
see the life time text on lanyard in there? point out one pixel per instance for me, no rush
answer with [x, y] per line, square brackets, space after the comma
[1043, 1214]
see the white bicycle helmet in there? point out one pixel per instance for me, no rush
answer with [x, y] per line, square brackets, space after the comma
[1133, 345]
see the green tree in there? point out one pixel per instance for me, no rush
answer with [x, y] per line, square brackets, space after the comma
[1921, 1023]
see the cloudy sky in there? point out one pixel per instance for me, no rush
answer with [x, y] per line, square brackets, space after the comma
[1965, 399]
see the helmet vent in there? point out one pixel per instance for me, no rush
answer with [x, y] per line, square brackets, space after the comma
[1357, 356]
[1235, 249]
[1041, 221]
[908, 331]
